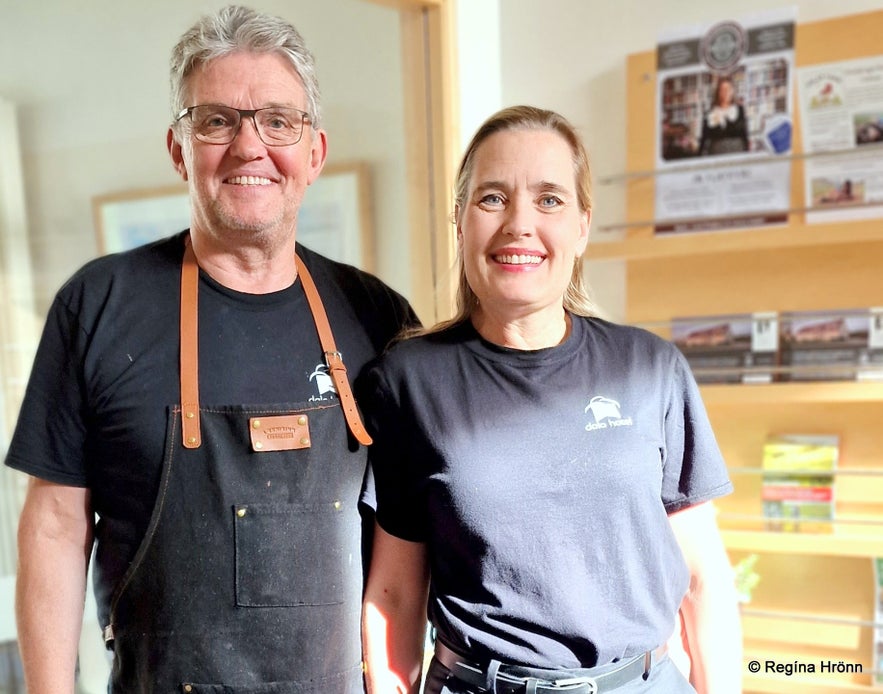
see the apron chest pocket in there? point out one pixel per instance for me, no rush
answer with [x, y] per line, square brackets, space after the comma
[289, 555]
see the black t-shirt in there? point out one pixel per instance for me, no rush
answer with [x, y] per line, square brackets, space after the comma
[106, 371]
[541, 482]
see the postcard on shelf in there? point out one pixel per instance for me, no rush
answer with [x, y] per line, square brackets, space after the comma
[832, 345]
[737, 348]
[797, 491]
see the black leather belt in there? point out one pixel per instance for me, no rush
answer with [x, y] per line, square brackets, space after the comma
[515, 679]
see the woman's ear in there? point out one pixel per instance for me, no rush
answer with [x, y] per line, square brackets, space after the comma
[585, 222]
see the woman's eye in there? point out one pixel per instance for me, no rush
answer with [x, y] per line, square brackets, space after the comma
[492, 199]
[550, 201]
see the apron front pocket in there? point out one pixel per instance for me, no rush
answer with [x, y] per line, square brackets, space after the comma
[289, 555]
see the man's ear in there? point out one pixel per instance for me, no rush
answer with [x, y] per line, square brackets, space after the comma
[176, 153]
[318, 153]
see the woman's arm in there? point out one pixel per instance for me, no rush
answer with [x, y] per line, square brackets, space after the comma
[744, 126]
[394, 615]
[704, 137]
[710, 609]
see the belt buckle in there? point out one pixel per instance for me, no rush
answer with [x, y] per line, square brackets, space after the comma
[573, 682]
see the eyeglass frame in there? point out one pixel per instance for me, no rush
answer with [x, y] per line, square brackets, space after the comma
[306, 120]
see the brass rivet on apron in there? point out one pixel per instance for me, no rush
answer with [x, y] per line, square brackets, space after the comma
[256, 424]
[190, 415]
[240, 512]
[337, 505]
[258, 445]
[191, 439]
[301, 420]
[304, 441]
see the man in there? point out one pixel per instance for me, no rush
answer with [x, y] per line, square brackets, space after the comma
[174, 396]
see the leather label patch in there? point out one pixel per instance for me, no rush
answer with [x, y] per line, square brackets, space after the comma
[285, 432]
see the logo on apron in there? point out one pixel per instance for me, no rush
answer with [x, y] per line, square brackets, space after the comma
[324, 384]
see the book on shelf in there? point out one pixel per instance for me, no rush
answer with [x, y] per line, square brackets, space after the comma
[798, 484]
[737, 348]
[832, 345]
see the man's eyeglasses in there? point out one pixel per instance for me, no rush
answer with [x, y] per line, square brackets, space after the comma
[216, 124]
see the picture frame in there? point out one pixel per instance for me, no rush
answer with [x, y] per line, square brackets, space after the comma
[131, 218]
[334, 217]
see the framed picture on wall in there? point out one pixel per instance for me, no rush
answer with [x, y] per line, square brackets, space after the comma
[132, 218]
[334, 217]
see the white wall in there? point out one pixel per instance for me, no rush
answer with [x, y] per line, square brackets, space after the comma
[90, 82]
[570, 56]
[479, 71]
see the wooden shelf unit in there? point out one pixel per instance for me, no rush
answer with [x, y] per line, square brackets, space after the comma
[806, 392]
[799, 266]
[803, 684]
[642, 244]
[813, 544]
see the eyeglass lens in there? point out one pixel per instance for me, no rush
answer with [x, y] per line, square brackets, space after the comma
[276, 125]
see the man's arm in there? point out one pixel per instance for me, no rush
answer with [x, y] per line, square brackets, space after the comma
[394, 615]
[54, 545]
[710, 609]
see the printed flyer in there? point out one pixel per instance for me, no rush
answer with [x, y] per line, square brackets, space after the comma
[841, 112]
[724, 103]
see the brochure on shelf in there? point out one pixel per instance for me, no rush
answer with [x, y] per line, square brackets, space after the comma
[797, 492]
[738, 348]
[832, 345]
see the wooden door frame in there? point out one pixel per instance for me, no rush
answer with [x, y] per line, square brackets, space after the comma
[431, 132]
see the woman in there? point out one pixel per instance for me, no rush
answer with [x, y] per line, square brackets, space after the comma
[547, 470]
[724, 130]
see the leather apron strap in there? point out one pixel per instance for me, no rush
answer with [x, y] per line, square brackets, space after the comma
[333, 358]
[190, 352]
[189, 349]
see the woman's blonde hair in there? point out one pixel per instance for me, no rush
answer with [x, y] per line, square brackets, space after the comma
[576, 297]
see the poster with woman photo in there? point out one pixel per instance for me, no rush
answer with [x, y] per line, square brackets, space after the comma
[724, 103]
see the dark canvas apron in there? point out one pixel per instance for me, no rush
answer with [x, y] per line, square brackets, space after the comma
[249, 576]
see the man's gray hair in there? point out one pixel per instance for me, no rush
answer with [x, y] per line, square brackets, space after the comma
[233, 29]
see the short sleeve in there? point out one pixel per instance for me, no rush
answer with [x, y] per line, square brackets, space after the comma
[391, 457]
[694, 470]
[49, 437]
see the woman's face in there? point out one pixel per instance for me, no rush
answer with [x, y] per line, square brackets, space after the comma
[521, 227]
[725, 93]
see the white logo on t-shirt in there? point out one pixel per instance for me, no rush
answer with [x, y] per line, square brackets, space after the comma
[607, 414]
